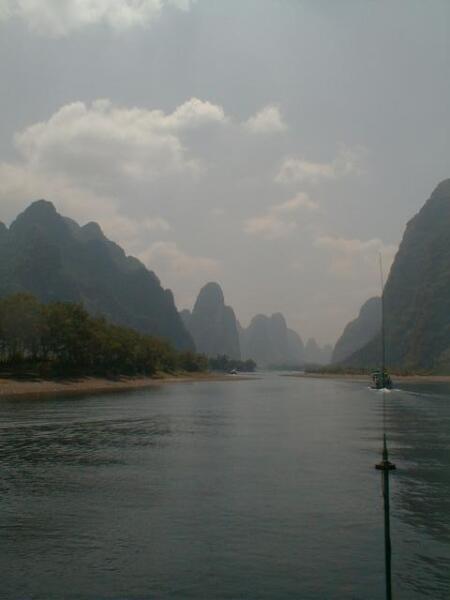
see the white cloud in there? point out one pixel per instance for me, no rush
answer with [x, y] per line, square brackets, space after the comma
[87, 157]
[298, 170]
[94, 159]
[195, 113]
[105, 149]
[102, 139]
[301, 200]
[278, 221]
[269, 226]
[267, 120]
[61, 17]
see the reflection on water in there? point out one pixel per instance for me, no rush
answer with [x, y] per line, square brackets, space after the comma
[419, 422]
[245, 489]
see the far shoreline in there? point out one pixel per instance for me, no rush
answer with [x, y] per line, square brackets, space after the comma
[358, 377]
[13, 388]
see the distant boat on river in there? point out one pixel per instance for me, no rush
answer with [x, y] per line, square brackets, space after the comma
[381, 379]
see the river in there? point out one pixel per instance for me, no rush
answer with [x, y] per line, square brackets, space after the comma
[256, 489]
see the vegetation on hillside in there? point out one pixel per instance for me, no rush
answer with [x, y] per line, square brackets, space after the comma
[61, 338]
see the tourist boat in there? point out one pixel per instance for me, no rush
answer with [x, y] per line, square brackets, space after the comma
[381, 380]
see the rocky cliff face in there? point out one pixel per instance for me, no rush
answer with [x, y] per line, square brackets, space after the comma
[359, 331]
[55, 259]
[212, 324]
[417, 294]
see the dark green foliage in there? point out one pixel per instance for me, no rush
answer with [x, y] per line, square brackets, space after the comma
[62, 338]
[192, 362]
[224, 364]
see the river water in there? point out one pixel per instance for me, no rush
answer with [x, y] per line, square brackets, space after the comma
[258, 489]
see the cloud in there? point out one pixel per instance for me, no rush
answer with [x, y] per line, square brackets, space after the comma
[166, 185]
[96, 160]
[61, 17]
[98, 140]
[86, 158]
[349, 255]
[195, 113]
[298, 170]
[102, 154]
[267, 120]
[278, 221]
[301, 200]
[269, 226]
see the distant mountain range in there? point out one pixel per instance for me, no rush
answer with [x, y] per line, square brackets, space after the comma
[417, 295]
[54, 258]
[270, 343]
[267, 340]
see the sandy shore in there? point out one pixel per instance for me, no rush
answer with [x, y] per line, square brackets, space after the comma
[356, 377]
[11, 388]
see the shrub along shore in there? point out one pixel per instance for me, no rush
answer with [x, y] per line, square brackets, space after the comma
[62, 339]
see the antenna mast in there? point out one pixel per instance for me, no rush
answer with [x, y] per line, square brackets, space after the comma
[383, 341]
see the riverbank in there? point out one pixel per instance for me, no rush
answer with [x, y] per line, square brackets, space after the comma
[362, 377]
[13, 388]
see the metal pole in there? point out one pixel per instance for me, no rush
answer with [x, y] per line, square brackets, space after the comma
[387, 530]
[385, 466]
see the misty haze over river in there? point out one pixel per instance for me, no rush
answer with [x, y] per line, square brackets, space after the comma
[253, 489]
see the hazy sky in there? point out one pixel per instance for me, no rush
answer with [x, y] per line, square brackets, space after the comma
[273, 146]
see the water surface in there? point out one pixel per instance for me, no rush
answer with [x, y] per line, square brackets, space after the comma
[224, 490]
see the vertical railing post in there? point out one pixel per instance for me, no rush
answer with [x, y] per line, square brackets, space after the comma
[385, 466]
